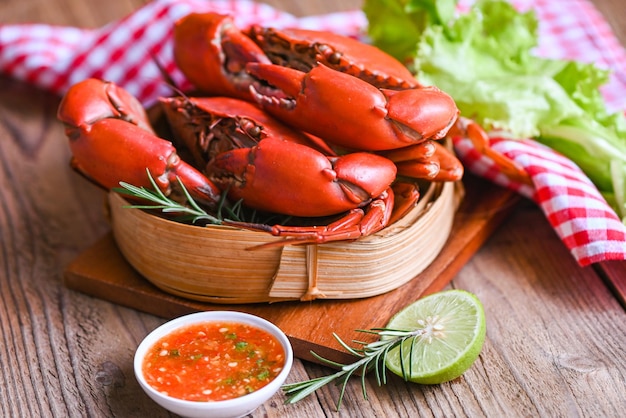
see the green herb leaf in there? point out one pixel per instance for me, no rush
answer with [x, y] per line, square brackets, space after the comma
[371, 356]
[263, 374]
[161, 202]
[409, 17]
[241, 345]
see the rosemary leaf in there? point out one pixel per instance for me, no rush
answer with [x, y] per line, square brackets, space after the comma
[371, 356]
[303, 389]
[347, 347]
[193, 212]
[327, 361]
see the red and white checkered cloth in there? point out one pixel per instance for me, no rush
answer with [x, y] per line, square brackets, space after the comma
[54, 58]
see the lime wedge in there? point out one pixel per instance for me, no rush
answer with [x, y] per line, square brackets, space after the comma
[450, 329]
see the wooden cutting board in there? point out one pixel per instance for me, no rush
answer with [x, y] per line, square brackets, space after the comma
[102, 271]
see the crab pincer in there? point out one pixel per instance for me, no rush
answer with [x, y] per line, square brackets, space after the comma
[285, 177]
[213, 54]
[349, 112]
[111, 141]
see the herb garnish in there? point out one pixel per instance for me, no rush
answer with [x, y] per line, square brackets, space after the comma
[241, 345]
[192, 212]
[165, 204]
[372, 356]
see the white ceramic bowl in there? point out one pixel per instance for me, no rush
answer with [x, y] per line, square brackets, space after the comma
[237, 407]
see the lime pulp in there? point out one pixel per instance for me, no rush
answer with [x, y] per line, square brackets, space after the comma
[449, 331]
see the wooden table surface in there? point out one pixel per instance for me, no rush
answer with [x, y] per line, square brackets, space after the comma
[556, 333]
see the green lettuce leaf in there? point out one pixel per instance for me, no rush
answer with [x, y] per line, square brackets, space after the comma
[485, 60]
[396, 25]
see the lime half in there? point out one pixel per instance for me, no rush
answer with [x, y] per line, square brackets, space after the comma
[450, 330]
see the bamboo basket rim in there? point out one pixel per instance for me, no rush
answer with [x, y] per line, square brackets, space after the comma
[309, 272]
[433, 191]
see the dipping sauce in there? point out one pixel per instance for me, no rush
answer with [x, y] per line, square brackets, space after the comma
[213, 361]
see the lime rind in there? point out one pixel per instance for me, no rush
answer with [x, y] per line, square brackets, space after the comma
[453, 328]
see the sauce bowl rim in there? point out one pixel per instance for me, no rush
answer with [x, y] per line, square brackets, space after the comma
[256, 397]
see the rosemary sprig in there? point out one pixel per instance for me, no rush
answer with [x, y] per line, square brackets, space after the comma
[164, 203]
[371, 356]
[193, 212]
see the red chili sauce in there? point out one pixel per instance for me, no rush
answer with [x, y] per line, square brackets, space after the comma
[213, 361]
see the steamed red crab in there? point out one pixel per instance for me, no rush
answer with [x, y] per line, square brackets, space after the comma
[353, 122]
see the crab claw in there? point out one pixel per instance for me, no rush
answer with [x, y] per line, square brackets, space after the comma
[92, 100]
[111, 141]
[290, 178]
[212, 53]
[440, 165]
[424, 112]
[349, 112]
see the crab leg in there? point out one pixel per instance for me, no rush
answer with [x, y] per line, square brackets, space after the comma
[441, 165]
[475, 133]
[406, 196]
[355, 224]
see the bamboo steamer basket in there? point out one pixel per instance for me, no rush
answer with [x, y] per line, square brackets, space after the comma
[215, 263]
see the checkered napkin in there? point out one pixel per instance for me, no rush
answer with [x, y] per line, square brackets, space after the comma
[125, 52]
